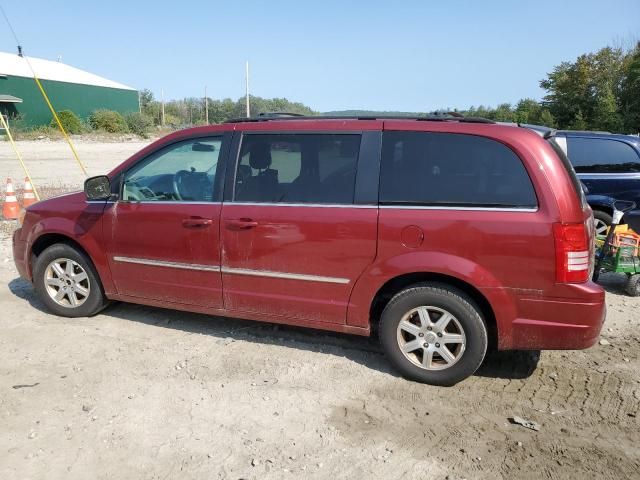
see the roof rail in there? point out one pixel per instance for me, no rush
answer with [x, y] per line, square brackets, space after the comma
[269, 116]
[279, 114]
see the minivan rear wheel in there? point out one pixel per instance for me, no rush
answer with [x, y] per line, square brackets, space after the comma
[67, 282]
[433, 333]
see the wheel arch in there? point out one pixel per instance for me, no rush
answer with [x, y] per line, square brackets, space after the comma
[602, 203]
[602, 208]
[45, 240]
[398, 283]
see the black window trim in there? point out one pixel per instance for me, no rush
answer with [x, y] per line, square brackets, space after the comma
[218, 180]
[360, 190]
[416, 205]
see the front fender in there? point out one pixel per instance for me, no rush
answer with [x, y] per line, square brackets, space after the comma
[85, 230]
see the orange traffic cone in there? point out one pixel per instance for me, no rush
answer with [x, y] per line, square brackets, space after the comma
[28, 198]
[10, 208]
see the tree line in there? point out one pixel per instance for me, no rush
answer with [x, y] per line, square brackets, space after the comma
[194, 111]
[596, 91]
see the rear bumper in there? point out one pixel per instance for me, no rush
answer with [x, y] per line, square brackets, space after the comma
[572, 321]
[20, 255]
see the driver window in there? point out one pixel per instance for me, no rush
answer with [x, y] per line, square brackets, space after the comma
[182, 172]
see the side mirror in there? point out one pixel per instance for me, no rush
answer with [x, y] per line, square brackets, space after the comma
[97, 188]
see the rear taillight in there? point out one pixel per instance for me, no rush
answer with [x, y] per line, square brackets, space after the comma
[573, 259]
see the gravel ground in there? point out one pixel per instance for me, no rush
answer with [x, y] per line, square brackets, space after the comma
[142, 392]
[51, 162]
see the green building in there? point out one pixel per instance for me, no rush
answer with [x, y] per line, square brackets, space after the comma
[68, 88]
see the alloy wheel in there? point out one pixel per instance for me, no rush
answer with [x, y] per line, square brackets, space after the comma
[431, 338]
[600, 227]
[67, 283]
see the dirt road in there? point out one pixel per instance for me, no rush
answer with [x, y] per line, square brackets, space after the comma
[141, 392]
[146, 393]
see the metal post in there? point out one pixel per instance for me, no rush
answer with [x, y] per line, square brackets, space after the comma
[247, 90]
[206, 106]
[162, 102]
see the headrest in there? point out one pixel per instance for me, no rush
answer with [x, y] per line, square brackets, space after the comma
[260, 155]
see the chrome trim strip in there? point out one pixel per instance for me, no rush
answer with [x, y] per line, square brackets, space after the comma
[287, 276]
[327, 205]
[170, 202]
[162, 263]
[473, 209]
[236, 271]
[152, 202]
[609, 176]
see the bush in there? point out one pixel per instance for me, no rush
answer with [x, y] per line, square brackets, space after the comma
[139, 123]
[69, 120]
[108, 121]
[171, 120]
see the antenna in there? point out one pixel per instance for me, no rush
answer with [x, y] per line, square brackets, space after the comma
[247, 89]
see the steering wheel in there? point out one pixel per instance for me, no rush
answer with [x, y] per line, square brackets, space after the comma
[178, 181]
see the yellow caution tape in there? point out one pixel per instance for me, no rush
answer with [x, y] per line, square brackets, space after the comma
[15, 148]
[55, 115]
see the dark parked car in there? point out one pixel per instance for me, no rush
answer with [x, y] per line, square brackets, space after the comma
[443, 235]
[608, 165]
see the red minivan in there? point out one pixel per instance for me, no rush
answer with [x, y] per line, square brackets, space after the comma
[443, 235]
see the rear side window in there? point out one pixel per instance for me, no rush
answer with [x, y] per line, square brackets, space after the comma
[446, 169]
[602, 155]
[297, 168]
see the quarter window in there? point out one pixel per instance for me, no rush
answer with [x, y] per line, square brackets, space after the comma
[297, 168]
[184, 171]
[601, 155]
[445, 169]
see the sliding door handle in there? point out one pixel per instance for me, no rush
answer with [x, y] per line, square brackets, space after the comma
[196, 222]
[240, 223]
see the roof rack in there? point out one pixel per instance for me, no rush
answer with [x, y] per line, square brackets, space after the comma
[279, 114]
[269, 116]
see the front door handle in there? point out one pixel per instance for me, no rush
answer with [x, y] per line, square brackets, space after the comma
[196, 222]
[240, 223]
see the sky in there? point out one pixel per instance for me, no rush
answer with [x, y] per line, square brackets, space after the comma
[328, 54]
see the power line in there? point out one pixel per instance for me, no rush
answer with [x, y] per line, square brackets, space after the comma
[46, 97]
[13, 32]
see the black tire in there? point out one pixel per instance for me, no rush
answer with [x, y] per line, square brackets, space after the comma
[603, 217]
[95, 300]
[633, 285]
[449, 299]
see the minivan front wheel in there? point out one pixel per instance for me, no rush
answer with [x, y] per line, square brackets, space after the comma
[67, 282]
[433, 333]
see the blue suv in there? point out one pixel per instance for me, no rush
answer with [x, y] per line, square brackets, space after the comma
[609, 166]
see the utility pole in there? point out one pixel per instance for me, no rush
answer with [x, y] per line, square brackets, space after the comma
[206, 106]
[247, 89]
[162, 103]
